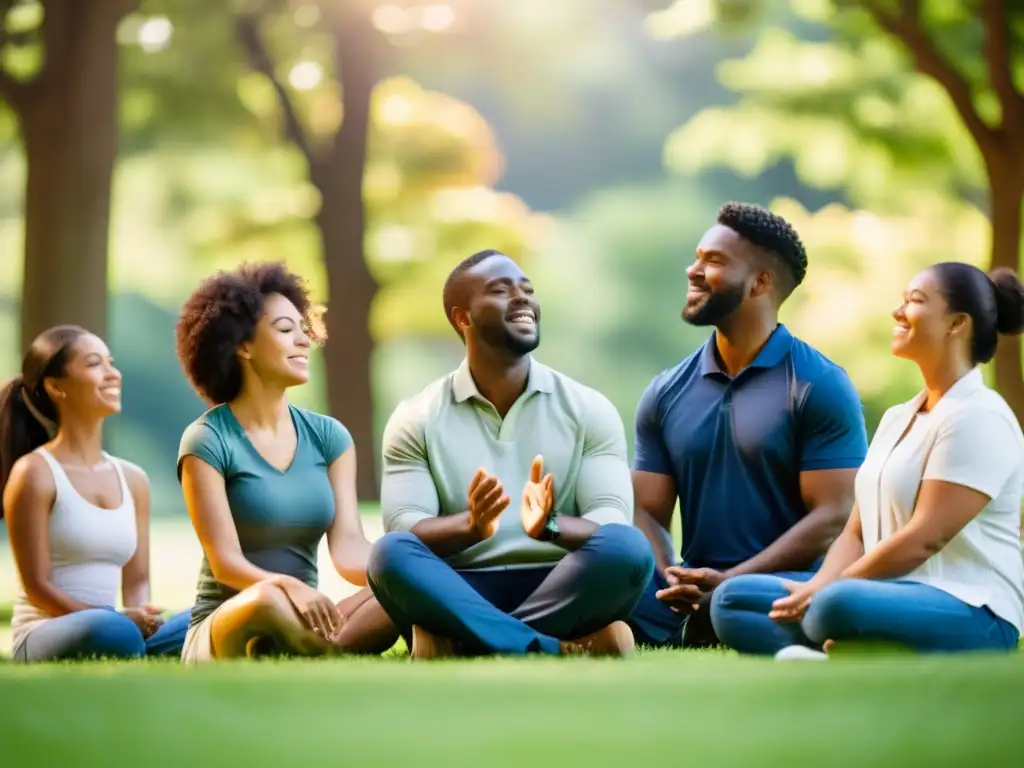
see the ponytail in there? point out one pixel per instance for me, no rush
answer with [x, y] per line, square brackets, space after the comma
[20, 431]
[28, 418]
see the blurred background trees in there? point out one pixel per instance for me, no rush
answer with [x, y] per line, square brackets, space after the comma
[373, 144]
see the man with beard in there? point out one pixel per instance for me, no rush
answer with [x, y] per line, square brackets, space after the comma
[506, 494]
[757, 435]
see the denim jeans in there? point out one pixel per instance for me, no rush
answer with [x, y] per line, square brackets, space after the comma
[516, 611]
[100, 632]
[906, 613]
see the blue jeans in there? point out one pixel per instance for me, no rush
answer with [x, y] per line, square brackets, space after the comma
[906, 613]
[100, 632]
[655, 624]
[517, 611]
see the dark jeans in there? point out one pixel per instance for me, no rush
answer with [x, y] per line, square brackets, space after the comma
[655, 624]
[100, 632]
[515, 611]
[907, 613]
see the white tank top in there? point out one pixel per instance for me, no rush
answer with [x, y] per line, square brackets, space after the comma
[89, 546]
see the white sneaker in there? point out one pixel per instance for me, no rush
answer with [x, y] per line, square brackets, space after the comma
[800, 653]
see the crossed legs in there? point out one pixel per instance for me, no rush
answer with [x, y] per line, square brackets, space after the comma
[100, 633]
[532, 610]
[906, 613]
[261, 619]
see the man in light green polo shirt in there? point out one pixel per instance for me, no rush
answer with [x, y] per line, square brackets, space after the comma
[506, 494]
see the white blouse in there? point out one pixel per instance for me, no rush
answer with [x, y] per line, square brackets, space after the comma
[970, 438]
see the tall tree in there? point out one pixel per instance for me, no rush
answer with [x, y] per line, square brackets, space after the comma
[353, 43]
[66, 108]
[973, 51]
[336, 168]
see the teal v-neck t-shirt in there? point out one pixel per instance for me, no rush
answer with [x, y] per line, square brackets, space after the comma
[280, 515]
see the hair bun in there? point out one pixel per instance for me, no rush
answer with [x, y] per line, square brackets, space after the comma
[1009, 301]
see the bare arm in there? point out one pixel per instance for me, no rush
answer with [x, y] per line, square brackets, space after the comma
[941, 512]
[346, 540]
[135, 589]
[207, 503]
[654, 487]
[28, 500]
[976, 451]
[828, 495]
[844, 552]
[655, 500]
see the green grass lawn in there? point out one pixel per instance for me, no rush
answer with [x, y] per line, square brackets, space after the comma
[688, 708]
[664, 708]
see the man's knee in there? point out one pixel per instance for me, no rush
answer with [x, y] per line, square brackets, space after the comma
[389, 553]
[833, 612]
[626, 550]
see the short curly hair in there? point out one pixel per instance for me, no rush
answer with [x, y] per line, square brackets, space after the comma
[222, 313]
[772, 234]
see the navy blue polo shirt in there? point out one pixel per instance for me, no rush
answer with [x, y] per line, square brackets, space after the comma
[736, 446]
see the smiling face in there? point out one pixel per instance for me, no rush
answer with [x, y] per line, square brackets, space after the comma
[501, 309]
[279, 351]
[925, 328]
[720, 278]
[90, 386]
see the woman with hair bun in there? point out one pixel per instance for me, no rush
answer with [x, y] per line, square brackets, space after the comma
[78, 518]
[930, 558]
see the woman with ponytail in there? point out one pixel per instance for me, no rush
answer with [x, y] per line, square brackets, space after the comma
[78, 518]
[930, 558]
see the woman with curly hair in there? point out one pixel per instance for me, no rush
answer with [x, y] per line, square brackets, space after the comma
[264, 480]
[78, 518]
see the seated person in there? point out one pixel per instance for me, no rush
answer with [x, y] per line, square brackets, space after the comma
[485, 553]
[264, 480]
[931, 557]
[78, 518]
[757, 435]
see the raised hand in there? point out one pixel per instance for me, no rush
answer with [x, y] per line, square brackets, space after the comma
[538, 499]
[487, 500]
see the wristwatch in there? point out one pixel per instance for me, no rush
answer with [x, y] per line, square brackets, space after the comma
[550, 531]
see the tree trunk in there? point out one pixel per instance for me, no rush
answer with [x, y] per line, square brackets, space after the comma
[348, 353]
[1006, 191]
[342, 222]
[70, 130]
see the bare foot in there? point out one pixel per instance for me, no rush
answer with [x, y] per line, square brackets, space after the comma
[428, 646]
[614, 640]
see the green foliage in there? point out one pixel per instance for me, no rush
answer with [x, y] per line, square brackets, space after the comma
[845, 103]
[612, 285]
[850, 111]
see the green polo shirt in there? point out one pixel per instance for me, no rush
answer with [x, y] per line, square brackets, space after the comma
[435, 442]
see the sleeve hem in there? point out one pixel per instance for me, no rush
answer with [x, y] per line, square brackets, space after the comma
[652, 467]
[607, 516]
[404, 521]
[838, 463]
[204, 459]
[966, 482]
